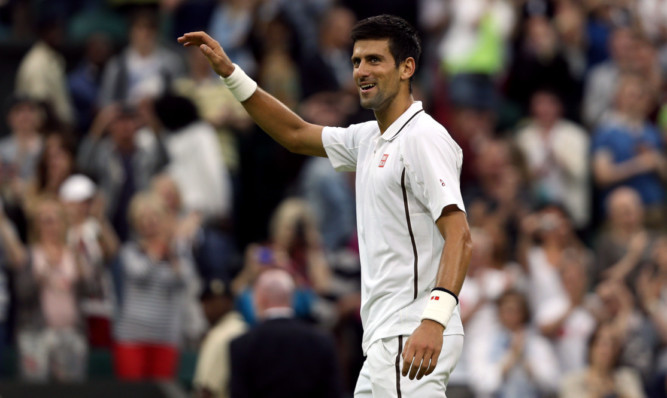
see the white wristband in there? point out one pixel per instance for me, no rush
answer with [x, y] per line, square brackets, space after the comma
[440, 306]
[240, 84]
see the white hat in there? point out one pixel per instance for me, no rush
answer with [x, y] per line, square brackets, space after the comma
[77, 188]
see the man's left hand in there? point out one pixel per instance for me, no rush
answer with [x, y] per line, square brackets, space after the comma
[421, 352]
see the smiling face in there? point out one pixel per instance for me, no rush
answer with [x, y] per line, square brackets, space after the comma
[375, 73]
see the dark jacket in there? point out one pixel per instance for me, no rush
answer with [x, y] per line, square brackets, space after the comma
[284, 358]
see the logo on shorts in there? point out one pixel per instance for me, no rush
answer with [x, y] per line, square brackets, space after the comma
[383, 160]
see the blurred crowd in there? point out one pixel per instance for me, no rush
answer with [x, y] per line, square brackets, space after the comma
[140, 204]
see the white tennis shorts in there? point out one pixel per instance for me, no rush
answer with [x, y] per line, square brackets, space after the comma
[381, 377]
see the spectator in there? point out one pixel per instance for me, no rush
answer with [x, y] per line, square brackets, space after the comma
[41, 74]
[19, 152]
[626, 242]
[203, 179]
[652, 294]
[603, 377]
[84, 82]
[472, 51]
[122, 158]
[544, 239]
[490, 275]
[51, 343]
[646, 64]
[284, 344]
[143, 69]
[331, 196]
[19, 156]
[152, 295]
[294, 246]
[627, 148]
[216, 105]
[601, 82]
[231, 24]
[55, 164]
[211, 378]
[540, 63]
[94, 243]
[278, 72]
[513, 361]
[556, 151]
[328, 69]
[569, 21]
[499, 192]
[213, 251]
[571, 332]
[637, 337]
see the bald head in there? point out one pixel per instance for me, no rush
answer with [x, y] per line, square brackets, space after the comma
[273, 289]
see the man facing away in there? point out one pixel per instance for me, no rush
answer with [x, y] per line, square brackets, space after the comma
[413, 233]
[282, 357]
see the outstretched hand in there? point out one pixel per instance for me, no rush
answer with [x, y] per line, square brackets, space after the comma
[421, 352]
[211, 49]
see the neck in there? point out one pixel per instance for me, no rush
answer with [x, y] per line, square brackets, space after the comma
[156, 247]
[599, 370]
[200, 75]
[386, 116]
[546, 125]
[282, 311]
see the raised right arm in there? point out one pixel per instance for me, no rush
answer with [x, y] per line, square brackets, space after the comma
[278, 121]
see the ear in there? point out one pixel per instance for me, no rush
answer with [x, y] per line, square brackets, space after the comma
[407, 68]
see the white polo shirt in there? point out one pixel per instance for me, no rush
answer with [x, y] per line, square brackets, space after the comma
[405, 177]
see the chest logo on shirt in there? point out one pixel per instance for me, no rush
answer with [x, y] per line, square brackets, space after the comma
[383, 160]
[442, 182]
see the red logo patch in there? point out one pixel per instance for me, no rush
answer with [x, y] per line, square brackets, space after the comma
[436, 298]
[383, 160]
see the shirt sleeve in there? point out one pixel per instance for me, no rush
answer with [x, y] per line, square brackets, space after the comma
[342, 147]
[433, 166]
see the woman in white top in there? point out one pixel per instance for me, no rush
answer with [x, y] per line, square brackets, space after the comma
[544, 238]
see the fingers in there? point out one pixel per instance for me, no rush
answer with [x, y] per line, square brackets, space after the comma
[408, 356]
[431, 368]
[208, 51]
[419, 363]
[196, 39]
[428, 365]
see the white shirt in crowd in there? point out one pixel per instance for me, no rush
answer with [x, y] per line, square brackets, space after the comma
[196, 164]
[562, 155]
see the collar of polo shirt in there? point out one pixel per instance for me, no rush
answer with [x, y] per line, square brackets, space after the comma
[402, 120]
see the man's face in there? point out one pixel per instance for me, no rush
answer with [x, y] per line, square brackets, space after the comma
[375, 73]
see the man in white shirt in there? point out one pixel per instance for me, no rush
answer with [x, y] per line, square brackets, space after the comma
[408, 204]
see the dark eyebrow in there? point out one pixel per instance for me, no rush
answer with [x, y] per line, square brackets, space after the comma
[367, 56]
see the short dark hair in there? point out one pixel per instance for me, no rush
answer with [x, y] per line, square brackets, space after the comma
[404, 40]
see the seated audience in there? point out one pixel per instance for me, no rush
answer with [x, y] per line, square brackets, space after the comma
[603, 377]
[513, 360]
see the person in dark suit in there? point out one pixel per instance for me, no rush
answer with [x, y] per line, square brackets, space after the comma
[282, 356]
